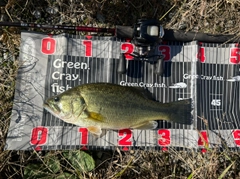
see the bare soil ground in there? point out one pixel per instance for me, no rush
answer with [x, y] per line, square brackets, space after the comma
[213, 16]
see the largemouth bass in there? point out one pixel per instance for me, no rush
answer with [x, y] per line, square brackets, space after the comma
[99, 106]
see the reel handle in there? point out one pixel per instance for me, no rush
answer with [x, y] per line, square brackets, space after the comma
[122, 64]
[160, 66]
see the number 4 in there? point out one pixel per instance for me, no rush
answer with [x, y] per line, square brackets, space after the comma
[236, 136]
[201, 54]
[203, 139]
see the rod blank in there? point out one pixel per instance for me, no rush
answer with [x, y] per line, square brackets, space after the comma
[59, 27]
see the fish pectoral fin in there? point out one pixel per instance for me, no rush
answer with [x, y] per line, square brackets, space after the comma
[96, 130]
[95, 116]
[146, 125]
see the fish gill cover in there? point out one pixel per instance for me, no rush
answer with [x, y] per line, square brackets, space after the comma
[207, 73]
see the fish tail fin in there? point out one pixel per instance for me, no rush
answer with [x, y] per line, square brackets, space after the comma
[181, 112]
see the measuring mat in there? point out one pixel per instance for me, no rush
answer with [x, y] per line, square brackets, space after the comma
[207, 73]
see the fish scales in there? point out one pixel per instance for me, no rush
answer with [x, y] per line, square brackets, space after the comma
[121, 104]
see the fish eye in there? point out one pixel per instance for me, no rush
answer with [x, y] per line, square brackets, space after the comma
[56, 99]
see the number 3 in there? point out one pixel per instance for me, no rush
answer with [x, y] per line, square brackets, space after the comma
[165, 137]
[165, 51]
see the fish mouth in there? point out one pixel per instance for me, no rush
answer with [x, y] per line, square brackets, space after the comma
[53, 110]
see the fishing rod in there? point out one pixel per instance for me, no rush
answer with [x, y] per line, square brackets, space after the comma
[128, 31]
[59, 27]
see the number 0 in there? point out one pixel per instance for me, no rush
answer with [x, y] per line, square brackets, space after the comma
[39, 135]
[48, 46]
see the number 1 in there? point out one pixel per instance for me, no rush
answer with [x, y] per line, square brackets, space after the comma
[84, 136]
[88, 47]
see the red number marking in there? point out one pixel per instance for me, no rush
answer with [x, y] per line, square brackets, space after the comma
[48, 46]
[234, 55]
[39, 135]
[165, 137]
[84, 136]
[236, 137]
[127, 49]
[125, 137]
[88, 47]
[165, 51]
[88, 37]
[201, 54]
[164, 149]
[203, 139]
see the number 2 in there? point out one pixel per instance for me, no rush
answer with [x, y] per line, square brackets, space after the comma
[125, 137]
[127, 49]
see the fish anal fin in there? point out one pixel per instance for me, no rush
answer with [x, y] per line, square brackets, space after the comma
[146, 125]
[104, 132]
[95, 130]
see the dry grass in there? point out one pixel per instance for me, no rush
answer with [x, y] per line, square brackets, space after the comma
[215, 16]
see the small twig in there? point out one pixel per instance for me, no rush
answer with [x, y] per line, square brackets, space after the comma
[167, 12]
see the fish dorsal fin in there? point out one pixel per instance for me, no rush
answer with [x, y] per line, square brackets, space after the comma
[144, 92]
